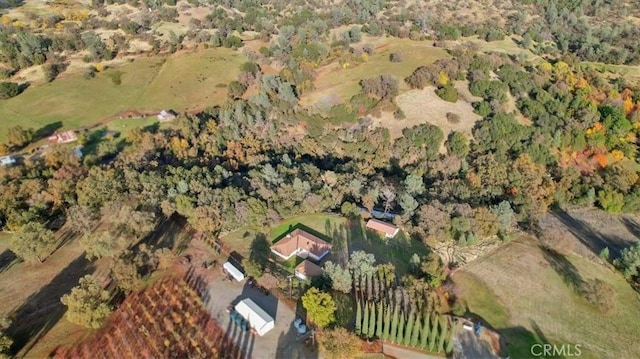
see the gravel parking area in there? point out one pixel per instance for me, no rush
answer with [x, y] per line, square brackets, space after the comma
[280, 342]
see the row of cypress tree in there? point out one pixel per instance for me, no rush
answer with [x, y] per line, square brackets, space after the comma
[431, 332]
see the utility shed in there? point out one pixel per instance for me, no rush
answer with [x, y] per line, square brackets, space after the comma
[235, 272]
[259, 320]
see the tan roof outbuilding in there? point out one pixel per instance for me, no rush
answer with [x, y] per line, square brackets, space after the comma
[309, 269]
[380, 226]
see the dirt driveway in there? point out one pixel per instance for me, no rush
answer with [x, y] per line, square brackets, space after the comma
[280, 342]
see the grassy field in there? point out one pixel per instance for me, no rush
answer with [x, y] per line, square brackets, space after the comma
[31, 292]
[509, 45]
[241, 239]
[523, 292]
[346, 236]
[337, 83]
[184, 81]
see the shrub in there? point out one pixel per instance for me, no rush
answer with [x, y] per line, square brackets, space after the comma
[51, 71]
[383, 86]
[338, 343]
[89, 73]
[236, 89]
[453, 118]
[599, 294]
[395, 57]
[448, 93]
[253, 268]
[368, 49]
[9, 90]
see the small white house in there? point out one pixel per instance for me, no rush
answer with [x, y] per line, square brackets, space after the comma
[235, 272]
[258, 319]
[7, 160]
[166, 115]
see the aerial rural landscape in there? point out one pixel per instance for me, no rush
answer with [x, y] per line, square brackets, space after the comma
[319, 179]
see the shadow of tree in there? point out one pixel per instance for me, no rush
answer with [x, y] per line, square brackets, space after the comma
[564, 268]
[42, 310]
[260, 250]
[301, 226]
[293, 346]
[632, 226]
[47, 130]
[591, 238]
[7, 260]
[166, 232]
[520, 342]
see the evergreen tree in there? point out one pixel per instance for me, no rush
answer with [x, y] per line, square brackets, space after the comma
[387, 323]
[434, 333]
[365, 322]
[449, 347]
[443, 334]
[401, 328]
[394, 325]
[358, 318]
[380, 318]
[416, 332]
[409, 330]
[372, 321]
[424, 333]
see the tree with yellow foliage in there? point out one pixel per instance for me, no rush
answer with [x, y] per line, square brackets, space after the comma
[545, 66]
[443, 78]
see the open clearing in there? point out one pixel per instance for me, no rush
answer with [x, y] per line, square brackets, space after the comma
[523, 292]
[335, 83]
[184, 81]
[509, 45]
[422, 106]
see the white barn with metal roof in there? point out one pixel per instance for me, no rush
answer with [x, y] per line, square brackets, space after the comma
[259, 320]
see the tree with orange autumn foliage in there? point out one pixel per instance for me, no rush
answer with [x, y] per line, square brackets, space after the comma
[601, 159]
[530, 186]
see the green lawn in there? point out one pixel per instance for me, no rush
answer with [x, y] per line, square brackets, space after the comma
[241, 239]
[524, 294]
[344, 82]
[346, 236]
[397, 250]
[181, 82]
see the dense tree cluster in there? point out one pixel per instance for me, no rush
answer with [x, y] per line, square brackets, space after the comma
[87, 304]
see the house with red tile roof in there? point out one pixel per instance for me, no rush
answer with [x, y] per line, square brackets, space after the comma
[303, 244]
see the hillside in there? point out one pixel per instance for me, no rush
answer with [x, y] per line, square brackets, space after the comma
[528, 294]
